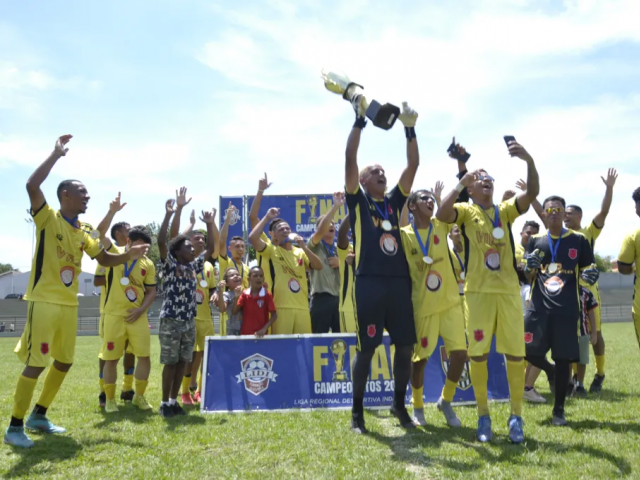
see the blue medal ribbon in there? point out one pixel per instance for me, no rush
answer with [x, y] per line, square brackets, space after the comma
[70, 221]
[331, 249]
[385, 214]
[459, 261]
[425, 251]
[496, 221]
[127, 269]
[552, 247]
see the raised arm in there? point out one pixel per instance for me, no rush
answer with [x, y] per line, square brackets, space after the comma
[254, 236]
[221, 304]
[352, 174]
[343, 233]
[404, 215]
[103, 227]
[524, 200]
[181, 202]
[263, 184]
[446, 212]
[36, 196]
[209, 218]
[192, 223]
[325, 223]
[408, 117]
[162, 233]
[522, 185]
[107, 259]
[460, 152]
[224, 233]
[314, 261]
[610, 181]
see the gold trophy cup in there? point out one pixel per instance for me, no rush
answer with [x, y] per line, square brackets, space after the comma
[313, 204]
[339, 350]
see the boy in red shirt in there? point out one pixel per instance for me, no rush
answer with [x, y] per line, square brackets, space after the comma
[256, 303]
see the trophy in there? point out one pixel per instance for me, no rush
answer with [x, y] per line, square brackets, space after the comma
[382, 116]
[313, 204]
[338, 350]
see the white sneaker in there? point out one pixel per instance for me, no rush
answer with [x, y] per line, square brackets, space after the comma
[418, 416]
[533, 396]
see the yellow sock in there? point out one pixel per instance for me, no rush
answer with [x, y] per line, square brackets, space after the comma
[200, 382]
[51, 386]
[515, 376]
[416, 393]
[449, 390]
[101, 382]
[574, 368]
[479, 378]
[600, 364]
[127, 383]
[110, 390]
[22, 397]
[186, 381]
[141, 386]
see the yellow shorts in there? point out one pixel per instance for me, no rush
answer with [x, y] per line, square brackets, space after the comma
[463, 305]
[347, 322]
[448, 324]
[292, 320]
[204, 328]
[493, 313]
[50, 332]
[116, 333]
[101, 325]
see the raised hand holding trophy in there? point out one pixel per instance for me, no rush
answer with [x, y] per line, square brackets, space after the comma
[382, 116]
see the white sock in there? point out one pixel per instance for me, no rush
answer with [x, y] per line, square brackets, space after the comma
[172, 401]
[164, 403]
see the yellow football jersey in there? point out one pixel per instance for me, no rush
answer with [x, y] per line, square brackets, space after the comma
[434, 287]
[491, 264]
[119, 298]
[204, 293]
[266, 264]
[630, 254]
[519, 254]
[243, 268]
[346, 280]
[102, 271]
[458, 267]
[58, 259]
[290, 276]
[592, 233]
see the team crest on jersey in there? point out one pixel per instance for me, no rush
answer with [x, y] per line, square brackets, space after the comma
[59, 237]
[553, 286]
[388, 244]
[300, 262]
[492, 260]
[143, 272]
[44, 348]
[436, 240]
[199, 297]
[257, 371]
[573, 253]
[371, 330]
[131, 294]
[110, 346]
[465, 378]
[67, 274]
[424, 342]
[433, 281]
[294, 285]
[528, 337]
[235, 216]
[260, 303]
[478, 335]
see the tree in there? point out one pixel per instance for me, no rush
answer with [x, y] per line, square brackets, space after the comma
[603, 263]
[154, 251]
[6, 267]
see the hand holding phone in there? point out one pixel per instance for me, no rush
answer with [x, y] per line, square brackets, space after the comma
[458, 152]
[508, 139]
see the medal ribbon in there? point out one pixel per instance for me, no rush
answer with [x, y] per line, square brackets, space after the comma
[331, 250]
[552, 247]
[385, 214]
[425, 251]
[70, 221]
[240, 270]
[127, 269]
[459, 261]
[496, 221]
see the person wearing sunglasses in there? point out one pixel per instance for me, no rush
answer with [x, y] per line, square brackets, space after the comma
[556, 261]
[491, 284]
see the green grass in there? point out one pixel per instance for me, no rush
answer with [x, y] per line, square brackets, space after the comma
[603, 440]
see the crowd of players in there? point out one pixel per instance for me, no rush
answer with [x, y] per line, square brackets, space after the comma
[391, 268]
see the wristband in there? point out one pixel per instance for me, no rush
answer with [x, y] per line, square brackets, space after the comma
[460, 187]
[410, 133]
[360, 123]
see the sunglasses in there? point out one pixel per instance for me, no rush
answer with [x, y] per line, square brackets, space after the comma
[426, 197]
[485, 177]
[552, 210]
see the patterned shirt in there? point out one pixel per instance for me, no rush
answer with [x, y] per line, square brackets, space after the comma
[179, 286]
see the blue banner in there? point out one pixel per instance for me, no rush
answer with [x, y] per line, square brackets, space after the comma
[282, 372]
[299, 211]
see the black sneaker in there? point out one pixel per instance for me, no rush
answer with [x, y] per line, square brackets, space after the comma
[401, 414]
[558, 419]
[357, 423]
[166, 411]
[102, 399]
[127, 396]
[581, 392]
[177, 409]
[596, 385]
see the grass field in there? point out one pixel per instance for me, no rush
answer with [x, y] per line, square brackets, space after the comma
[602, 441]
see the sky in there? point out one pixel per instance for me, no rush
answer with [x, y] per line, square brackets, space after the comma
[209, 95]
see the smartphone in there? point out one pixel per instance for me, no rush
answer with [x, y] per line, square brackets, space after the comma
[454, 151]
[509, 138]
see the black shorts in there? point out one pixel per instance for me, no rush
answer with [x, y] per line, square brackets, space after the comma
[325, 313]
[550, 331]
[383, 302]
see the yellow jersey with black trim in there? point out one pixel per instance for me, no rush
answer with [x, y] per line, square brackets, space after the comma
[592, 232]
[265, 264]
[119, 298]
[629, 255]
[101, 272]
[58, 258]
[519, 254]
[290, 276]
[229, 262]
[346, 280]
[490, 262]
[203, 294]
[433, 286]
[458, 268]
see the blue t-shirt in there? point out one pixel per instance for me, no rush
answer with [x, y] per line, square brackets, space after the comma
[179, 286]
